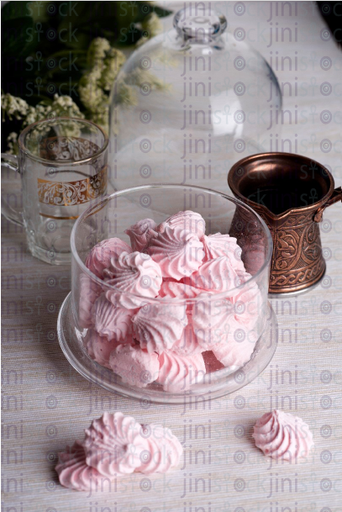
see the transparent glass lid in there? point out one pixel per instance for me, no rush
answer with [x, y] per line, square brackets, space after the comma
[190, 103]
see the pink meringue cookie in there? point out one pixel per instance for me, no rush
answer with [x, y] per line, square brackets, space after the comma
[112, 321]
[141, 233]
[178, 290]
[99, 347]
[218, 245]
[88, 293]
[100, 256]
[133, 273]
[188, 220]
[134, 365]
[113, 445]
[247, 302]
[163, 451]
[178, 252]
[211, 320]
[237, 348]
[73, 471]
[158, 327]
[178, 372]
[216, 275]
[241, 327]
[281, 435]
[188, 343]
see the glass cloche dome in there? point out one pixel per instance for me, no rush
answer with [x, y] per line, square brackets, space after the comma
[189, 103]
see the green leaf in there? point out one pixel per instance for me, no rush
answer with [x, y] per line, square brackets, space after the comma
[18, 37]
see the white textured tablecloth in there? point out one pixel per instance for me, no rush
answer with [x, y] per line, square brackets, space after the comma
[46, 404]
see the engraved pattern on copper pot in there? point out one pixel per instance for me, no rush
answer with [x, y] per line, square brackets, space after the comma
[296, 190]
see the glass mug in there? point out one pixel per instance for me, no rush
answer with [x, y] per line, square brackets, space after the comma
[62, 163]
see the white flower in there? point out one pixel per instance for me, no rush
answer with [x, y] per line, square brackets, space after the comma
[12, 143]
[112, 65]
[151, 26]
[97, 50]
[105, 63]
[13, 106]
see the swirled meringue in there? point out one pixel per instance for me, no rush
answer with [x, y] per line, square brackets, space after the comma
[211, 320]
[134, 365]
[99, 347]
[141, 233]
[89, 292]
[112, 321]
[281, 435]
[237, 347]
[158, 327]
[163, 450]
[188, 220]
[133, 273]
[218, 245]
[216, 275]
[247, 302]
[188, 343]
[73, 471]
[113, 445]
[178, 252]
[178, 372]
[177, 289]
[100, 256]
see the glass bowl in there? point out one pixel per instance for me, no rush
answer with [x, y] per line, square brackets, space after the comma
[191, 102]
[239, 321]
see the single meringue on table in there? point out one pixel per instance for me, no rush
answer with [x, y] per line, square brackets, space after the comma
[163, 450]
[281, 435]
[73, 471]
[113, 445]
[116, 446]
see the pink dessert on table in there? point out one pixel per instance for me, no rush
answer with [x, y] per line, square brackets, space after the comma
[169, 304]
[115, 446]
[281, 435]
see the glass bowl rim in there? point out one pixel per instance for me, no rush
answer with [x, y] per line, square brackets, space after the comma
[56, 163]
[166, 300]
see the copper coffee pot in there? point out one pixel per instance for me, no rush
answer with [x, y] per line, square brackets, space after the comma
[290, 192]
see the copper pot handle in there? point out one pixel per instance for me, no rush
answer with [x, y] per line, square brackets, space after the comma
[336, 196]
